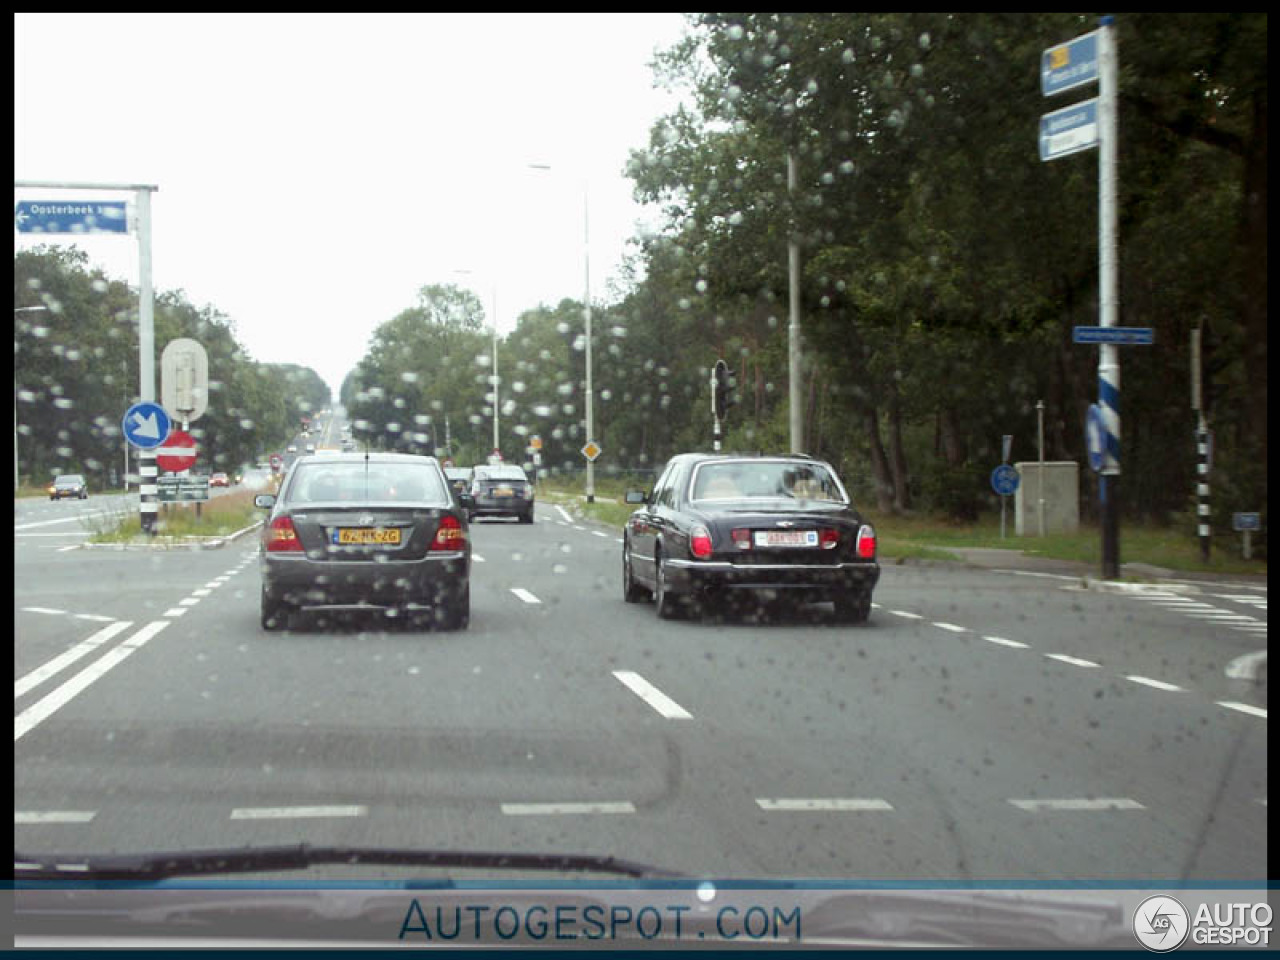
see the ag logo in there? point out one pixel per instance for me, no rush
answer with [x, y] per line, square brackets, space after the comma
[1161, 923]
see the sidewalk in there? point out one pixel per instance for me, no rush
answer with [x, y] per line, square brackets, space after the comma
[995, 559]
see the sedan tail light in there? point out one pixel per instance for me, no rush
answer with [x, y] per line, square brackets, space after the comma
[741, 538]
[700, 542]
[866, 547]
[449, 535]
[282, 537]
[829, 539]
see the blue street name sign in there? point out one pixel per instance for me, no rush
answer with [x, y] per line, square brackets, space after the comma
[1133, 336]
[1246, 521]
[1070, 65]
[146, 425]
[1069, 130]
[71, 216]
[1004, 480]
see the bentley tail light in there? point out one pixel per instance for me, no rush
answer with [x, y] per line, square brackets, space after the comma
[700, 542]
[866, 547]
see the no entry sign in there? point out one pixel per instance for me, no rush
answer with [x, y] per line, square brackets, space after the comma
[178, 452]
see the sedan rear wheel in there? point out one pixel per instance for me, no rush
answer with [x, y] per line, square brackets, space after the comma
[275, 614]
[455, 614]
[854, 607]
[632, 592]
[668, 603]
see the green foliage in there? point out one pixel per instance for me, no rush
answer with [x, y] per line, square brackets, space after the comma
[76, 373]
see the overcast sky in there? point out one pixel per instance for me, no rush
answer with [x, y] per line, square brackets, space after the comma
[315, 171]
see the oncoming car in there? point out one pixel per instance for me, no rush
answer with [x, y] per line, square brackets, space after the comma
[219, 480]
[68, 485]
[776, 526]
[350, 532]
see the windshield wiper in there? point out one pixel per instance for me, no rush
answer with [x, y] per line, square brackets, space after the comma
[191, 863]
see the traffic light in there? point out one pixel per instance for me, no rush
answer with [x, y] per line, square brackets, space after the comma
[723, 386]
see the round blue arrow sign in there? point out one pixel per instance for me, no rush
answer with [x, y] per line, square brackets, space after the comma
[146, 425]
[1005, 480]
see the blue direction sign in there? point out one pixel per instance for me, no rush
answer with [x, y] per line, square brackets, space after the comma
[146, 425]
[1131, 336]
[1070, 65]
[71, 216]
[1004, 480]
[1069, 130]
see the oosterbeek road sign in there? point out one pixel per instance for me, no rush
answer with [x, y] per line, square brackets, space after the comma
[1069, 130]
[71, 216]
[1069, 65]
[1132, 336]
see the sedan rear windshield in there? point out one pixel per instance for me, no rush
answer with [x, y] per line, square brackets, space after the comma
[72, 478]
[501, 473]
[748, 480]
[355, 483]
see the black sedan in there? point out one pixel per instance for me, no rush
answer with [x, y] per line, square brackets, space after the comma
[350, 532]
[501, 491]
[773, 527]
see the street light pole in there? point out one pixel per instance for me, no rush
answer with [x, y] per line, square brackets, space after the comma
[586, 298]
[493, 379]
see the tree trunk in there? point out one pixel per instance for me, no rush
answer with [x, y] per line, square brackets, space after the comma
[901, 476]
[879, 462]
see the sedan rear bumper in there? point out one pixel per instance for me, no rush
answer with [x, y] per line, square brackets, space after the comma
[298, 581]
[824, 580]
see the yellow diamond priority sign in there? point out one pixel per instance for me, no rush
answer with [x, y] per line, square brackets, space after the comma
[591, 450]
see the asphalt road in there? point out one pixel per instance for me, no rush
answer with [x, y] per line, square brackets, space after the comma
[984, 725]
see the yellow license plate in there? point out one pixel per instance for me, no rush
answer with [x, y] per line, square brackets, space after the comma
[367, 535]
[502, 491]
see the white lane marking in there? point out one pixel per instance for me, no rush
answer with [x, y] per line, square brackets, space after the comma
[1243, 708]
[288, 813]
[53, 816]
[477, 558]
[48, 523]
[1079, 803]
[175, 611]
[540, 809]
[94, 617]
[64, 660]
[1157, 684]
[1074, 661]
[1016, 644]
[950, 626]
[1223, 615]
[40, 711]
[906, 614]
[43, 610]
[188, 601]
[597, 533]
[525, 595]
[651, 695]
[201, 593]
[805, 804]
[564, 513]
[65, 549]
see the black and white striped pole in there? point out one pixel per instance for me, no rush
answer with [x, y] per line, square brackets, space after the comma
[719, 397]
[1202, 451]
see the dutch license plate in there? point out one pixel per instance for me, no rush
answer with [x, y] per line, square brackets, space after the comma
[502, 491]
[362, 536]
[786, 538]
